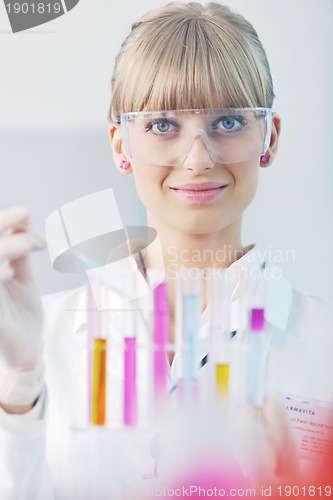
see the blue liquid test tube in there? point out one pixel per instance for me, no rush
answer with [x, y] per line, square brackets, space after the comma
[192, 313]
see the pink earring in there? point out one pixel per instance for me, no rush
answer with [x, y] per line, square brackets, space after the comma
[265, 158]
[124, 164]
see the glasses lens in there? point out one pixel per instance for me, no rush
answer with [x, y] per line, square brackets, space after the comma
[166, 137]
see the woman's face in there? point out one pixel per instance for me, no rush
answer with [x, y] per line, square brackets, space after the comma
[200, 195]
[170, 194]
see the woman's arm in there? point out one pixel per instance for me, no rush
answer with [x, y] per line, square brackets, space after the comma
[23, 467]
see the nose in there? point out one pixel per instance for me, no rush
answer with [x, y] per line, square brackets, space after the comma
[198, 157]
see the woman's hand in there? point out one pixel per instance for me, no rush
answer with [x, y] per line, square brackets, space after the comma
[266, 446]
[281, 441]
[21, 366]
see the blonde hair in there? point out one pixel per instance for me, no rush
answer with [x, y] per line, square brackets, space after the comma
[189, 56]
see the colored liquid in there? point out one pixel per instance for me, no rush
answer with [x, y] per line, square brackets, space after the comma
[161, 335]
[222, 379]
[130, 398]
[99, 383]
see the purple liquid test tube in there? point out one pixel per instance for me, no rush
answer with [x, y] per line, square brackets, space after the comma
[257, 319]
[256, 366]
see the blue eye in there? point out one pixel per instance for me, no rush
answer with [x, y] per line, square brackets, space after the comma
[228, 123]
[161, 126]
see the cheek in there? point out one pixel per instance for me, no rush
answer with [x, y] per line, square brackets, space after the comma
[246, 177]
[148, 182]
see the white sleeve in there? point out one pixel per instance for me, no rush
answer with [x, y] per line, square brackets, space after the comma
[24, 473]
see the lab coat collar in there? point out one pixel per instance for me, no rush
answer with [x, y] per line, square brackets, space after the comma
[243, 273]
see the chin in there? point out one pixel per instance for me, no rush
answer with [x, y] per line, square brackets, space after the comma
[199, 228]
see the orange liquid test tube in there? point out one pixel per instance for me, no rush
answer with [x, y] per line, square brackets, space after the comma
[98, 414]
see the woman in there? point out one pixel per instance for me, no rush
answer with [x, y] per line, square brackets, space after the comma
[191, 118]
[185, 70]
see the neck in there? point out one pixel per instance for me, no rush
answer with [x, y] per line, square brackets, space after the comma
[208, 250]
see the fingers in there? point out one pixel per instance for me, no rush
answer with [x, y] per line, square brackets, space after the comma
[14, 251]
[6, 271]
[16, 218]
[18, 245]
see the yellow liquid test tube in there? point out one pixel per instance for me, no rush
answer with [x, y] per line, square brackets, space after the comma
[222, 380]
[98, 413]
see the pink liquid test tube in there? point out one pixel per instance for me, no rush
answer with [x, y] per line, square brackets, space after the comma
[130, 394]
[160, 338]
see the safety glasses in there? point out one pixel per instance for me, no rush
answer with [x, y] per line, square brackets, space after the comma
[165, 138]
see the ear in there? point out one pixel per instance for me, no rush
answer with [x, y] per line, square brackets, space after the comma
[119, 156]
[273, 145]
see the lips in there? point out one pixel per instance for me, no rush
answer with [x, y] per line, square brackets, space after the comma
[199, 192]
[203, 186]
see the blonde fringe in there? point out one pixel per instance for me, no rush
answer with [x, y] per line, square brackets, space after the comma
[190, 56]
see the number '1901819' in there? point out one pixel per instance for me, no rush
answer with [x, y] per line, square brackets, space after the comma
[304, 491]
[33, 8]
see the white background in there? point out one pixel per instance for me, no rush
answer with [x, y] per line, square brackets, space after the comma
[54, 95]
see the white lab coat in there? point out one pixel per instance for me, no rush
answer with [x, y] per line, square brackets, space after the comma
[102, 463]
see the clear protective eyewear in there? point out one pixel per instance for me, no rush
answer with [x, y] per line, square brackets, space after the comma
[165, 138]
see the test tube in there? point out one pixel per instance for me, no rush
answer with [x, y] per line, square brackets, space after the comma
[92, 333]
[97, 333]
[160, 337]
[256, 358]
[99, 382]
[179, 327]
[130, 347]
[192, 304]
[256, 343]
[218, 300]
